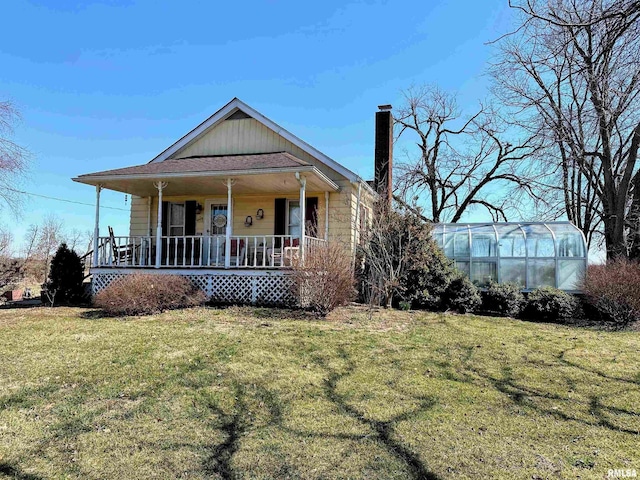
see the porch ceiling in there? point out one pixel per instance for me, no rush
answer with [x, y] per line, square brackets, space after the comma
[278, 180]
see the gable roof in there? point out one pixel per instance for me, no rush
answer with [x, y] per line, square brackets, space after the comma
[236, 105]
[211, 163]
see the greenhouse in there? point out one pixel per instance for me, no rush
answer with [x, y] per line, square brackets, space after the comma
[531, 255]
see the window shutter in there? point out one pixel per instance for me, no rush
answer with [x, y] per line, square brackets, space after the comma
[280, 219]
[165, 218]
[190, 217]
[311, 216]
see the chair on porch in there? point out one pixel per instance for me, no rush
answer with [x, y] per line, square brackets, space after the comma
[238, 252]
[122, 254]
[284, 256]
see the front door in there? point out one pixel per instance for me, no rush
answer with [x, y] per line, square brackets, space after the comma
[215, 228]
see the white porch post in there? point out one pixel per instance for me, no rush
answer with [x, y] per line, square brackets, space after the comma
[326, 216]
[303, 213]
[160, 186]
[229, 229]
[96, 228]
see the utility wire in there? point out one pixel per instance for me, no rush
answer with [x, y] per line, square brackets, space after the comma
[64, 200]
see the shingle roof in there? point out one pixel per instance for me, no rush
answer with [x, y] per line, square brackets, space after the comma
[217, 163]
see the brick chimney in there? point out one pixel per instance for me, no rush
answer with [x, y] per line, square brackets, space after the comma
[383, 180]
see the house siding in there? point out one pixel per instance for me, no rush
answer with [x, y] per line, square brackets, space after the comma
[232, 137]
[138, 219]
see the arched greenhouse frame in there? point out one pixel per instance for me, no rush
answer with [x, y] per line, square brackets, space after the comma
[531, 255]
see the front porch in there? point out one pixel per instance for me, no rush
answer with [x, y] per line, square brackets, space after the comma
[202, 251]
[234, 231]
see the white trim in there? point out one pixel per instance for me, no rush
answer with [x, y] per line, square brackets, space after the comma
[237, 104]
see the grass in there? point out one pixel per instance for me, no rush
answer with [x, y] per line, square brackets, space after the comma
[257, 393]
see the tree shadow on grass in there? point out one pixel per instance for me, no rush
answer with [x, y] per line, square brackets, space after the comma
[94, 314]
[237, 422]
[384, 430]
[526, 396]
[593, 371]
[16, 474]
[233, 425]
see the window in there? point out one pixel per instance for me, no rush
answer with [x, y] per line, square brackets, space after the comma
[483, 245]
[293, 218]
[483, 273]
[176, 219]
[513, 271]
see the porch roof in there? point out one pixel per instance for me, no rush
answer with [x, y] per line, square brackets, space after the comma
[252, 173]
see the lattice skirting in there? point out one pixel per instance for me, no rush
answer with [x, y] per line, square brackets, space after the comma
[257, 288]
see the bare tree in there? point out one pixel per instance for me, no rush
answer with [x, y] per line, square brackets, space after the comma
[13, 157]
[460, 162]
[79, 241]
[6, 241]
[44, 239]
[571, 71]
[11, 269]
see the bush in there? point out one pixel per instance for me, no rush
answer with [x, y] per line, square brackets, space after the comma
[325, 281]
[614, 291]
[66, 277]
[503, 298]
[461, 295]
[144, 294]
[551, 304]
[401, 261]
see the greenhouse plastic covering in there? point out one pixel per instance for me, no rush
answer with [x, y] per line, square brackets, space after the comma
[531, 255]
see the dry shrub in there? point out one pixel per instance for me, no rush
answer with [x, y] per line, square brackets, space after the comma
[325, 280]
[614, 291]
[144, 294]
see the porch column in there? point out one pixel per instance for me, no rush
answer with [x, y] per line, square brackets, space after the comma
[229, 229]
[303, 213]
[160, 186]
[96, 228]
[326, 216]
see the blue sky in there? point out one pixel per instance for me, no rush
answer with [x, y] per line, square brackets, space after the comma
[111, 83]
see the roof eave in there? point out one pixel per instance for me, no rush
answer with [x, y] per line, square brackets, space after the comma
[96, 179]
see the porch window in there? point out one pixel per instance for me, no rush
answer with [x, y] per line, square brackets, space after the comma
[293, 218]
[176, 216]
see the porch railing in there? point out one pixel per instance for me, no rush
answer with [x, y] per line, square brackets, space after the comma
[245, 251]
[311, 242]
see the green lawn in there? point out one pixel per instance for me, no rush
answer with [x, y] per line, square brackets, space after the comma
[258, 393]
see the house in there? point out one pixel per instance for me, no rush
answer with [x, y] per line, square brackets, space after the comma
[232, 203]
